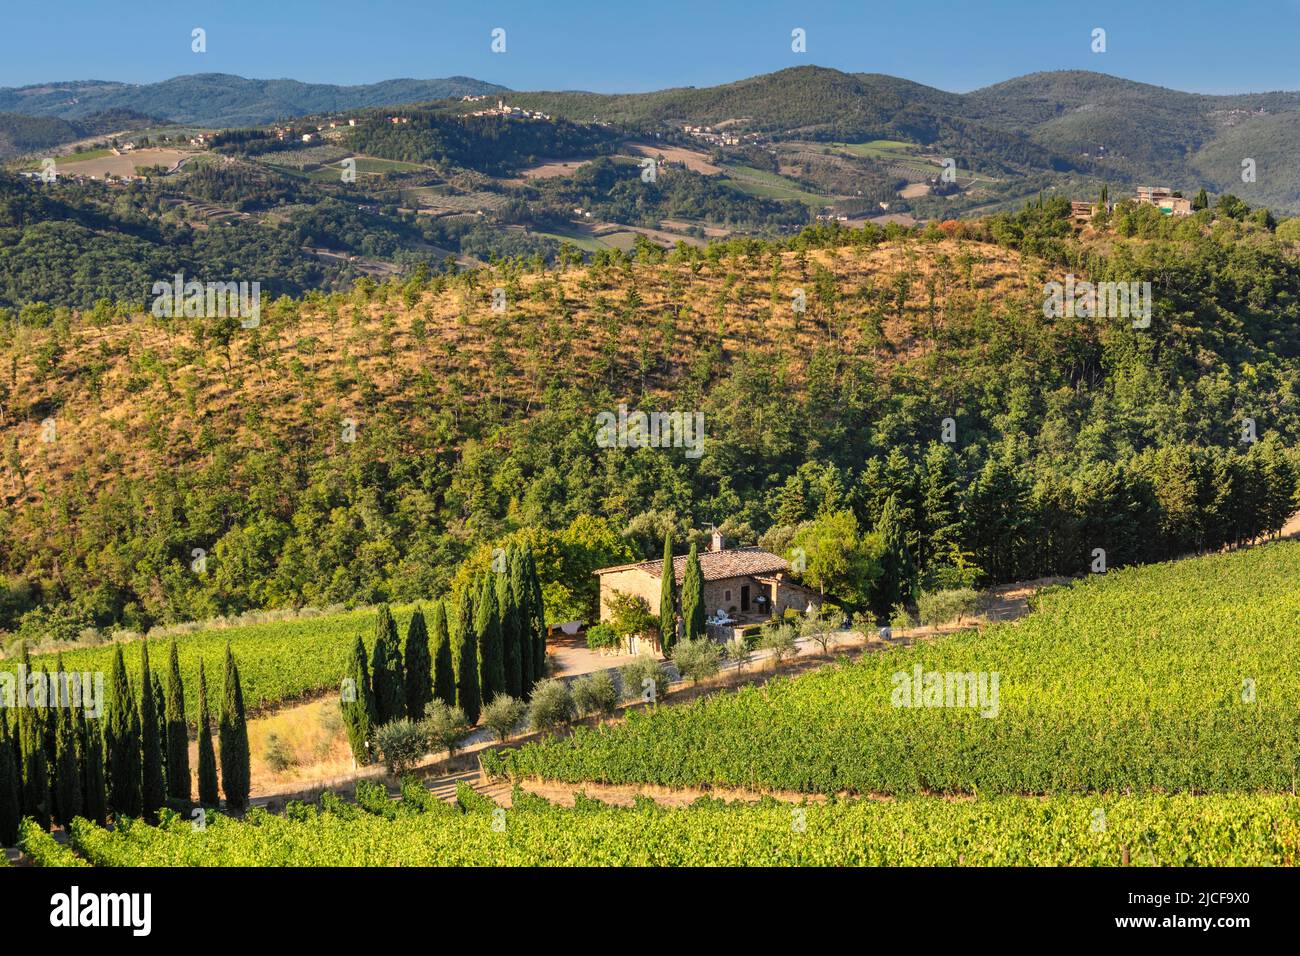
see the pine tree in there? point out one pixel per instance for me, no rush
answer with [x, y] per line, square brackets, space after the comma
[522, 598]
[419, 667]
[386, 670]
[95, 796]
[487, 633]
[667, 599]
[208, 793]
[940, 506]
[67, 766]
[10, 783]
[233, 733]
[508, 612]
[154, 787]
[122, 744]
[178, 737]
[444, 667]
[537, 612]
[895, 583]
[465, 657]
[693, 613]
[357, 702]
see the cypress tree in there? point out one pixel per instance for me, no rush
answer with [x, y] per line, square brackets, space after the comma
[693, 614]
[538, 614]
[895, 583]
[178, 736]
[160, 706]
[465, 657]
[67, 767]
[508, 611]
[94, 797]
[419, 667]
[667, 599]
[122, 744]
[358, 704]
[233, 733]
[10, 783]
[444, 667]
[487, 631]
[153, 786]
[521, 596]
[30, 747]
[386, 670]
[208, 795]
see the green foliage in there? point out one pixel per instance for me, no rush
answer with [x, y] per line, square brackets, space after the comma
[551, 706]
[487, 631]
[401, 743]
[465, 656]
[667, 599]
[208, 794]
[503, 715]
[840, 560]
[698, 659]
[153, 792]
[942, 607]
[42, 849]
[693, 613]
[122, 743]
[10, 783]
[177, 733]
[357, 703]
[508, 611]
[594, 694]
[778, 639]
[386, 670]
[232, 732]
[419, 666]
[602, 635]
[644, 679]
[444, 667]
[444, 727]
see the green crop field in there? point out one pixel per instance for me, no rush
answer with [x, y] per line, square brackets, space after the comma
[1176, 677]
[421, 831]
[278, 660]
[768, 185]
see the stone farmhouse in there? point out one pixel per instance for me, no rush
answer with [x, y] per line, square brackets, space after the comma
[745, 585]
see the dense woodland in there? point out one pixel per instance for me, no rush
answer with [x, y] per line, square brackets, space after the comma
[824, 428]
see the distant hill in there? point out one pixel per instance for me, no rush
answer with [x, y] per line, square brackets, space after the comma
[26, 134]
[220, 99]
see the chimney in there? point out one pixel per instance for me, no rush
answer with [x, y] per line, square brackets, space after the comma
[717, 544]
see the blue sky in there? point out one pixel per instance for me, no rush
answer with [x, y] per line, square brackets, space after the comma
[632, 45]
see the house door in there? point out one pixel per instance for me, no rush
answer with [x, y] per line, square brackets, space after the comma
[744, 598]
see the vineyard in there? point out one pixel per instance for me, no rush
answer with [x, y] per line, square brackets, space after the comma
[419, 830]
[1174, 678]
[280, 660]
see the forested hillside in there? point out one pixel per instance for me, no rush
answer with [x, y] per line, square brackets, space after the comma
[356, 445]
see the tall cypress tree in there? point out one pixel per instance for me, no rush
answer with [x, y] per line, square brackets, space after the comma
[895, 583]
[233, 733]
[122, 744]
[538, 615]
[487, 631]
[386, 669]
[10, 783]
[67, 767]
[419, 667]
[521, 596]
[358, 704]
[178, 737]
[508, 611]
[94, 797]
[693, 614]
[208, 793]
[154, 787]
[667, 598]
[32, 765]
[444, 666]
[469, 697]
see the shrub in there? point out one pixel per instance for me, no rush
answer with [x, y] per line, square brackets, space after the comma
[601, 635]
[401, 745]
[738, 652]
[594, 694]
[279, 755]
[552, 705]
[502, 716]
[940, 607]
[635, 674]
[778, 639]
[822, 628]
[697, 659]
[900, 619]
[444, 726]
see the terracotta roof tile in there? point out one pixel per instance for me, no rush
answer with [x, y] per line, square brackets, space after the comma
[716, 565]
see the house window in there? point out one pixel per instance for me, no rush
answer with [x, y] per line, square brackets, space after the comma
[726, 596]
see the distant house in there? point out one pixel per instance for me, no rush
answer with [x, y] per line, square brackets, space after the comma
[745, 585]
[307, 137]
[1163, 198]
